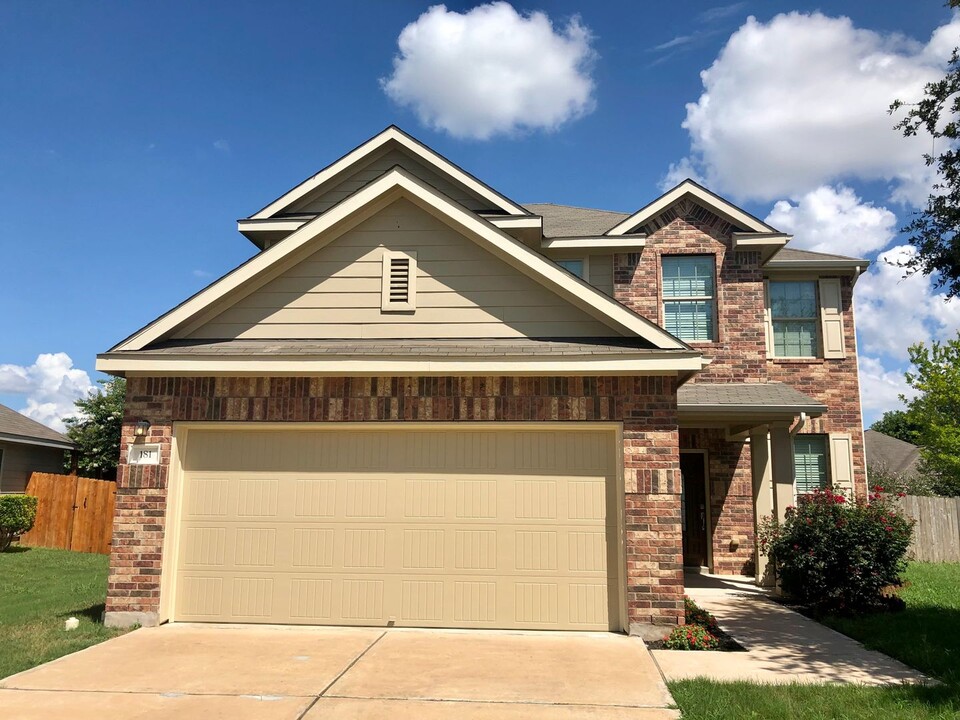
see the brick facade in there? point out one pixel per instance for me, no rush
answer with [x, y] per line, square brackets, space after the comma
[740, 355]
[645, 405]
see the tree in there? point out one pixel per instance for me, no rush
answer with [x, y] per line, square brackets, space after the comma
[96, 429]
[899, 424]
[936, 379]
[933, 230]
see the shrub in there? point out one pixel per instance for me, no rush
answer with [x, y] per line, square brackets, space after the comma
[836, 555]
[17, 515]
[696, 615]
[691, 637]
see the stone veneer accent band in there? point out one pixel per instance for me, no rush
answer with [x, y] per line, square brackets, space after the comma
[645, 405]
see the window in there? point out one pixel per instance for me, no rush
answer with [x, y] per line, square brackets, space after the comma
[688, 296]
[398, 292]
[572, 266]
[810, 463]
[794, 314]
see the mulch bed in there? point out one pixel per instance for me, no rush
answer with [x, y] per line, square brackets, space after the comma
[727, 643]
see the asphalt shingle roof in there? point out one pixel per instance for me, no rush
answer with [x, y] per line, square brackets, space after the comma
[569, 221]
[891, 453]
[13, 423]
[759, 395]
[493, 347]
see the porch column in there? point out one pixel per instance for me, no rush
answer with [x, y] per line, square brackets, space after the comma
[762, 472]
[781, 449]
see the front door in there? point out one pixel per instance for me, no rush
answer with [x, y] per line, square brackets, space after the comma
[694, 509]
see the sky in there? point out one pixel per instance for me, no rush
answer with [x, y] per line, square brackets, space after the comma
[133, 135]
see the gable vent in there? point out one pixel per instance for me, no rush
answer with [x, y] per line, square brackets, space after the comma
[399, 290]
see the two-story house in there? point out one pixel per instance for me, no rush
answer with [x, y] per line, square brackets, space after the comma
[424, 404]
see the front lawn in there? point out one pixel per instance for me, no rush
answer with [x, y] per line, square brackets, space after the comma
[39, 589]
[926, 636]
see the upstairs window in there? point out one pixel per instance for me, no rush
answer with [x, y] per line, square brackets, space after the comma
[574, 267]
[810, 463]
[794, 314]
[689, 296]
[398, 292]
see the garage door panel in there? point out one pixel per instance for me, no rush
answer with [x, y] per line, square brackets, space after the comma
[511, 541]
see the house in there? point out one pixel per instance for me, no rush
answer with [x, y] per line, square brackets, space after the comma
[424, 404]
[891, 454]
[26, 447]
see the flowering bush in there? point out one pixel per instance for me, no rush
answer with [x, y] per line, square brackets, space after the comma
[691, 637]
[696, 615]
[838, 555]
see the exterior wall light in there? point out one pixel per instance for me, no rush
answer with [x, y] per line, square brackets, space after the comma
[142, 427]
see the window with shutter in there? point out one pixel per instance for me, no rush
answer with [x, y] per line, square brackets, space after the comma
[399, 290]
[793, 317]
[689, 296]
[810, 463]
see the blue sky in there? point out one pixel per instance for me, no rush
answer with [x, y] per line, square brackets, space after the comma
[133, 135]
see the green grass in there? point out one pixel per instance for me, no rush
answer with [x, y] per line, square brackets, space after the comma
[926, 636]
[39, 589]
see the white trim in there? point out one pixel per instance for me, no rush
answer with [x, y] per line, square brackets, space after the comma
[387, 304]
[633, 242]
[391, 134]
[721, 207]
[270, 365]
[391, 186]
[20, 440]
[513, 222]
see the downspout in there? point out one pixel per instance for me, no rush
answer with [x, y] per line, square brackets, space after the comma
[799, 426]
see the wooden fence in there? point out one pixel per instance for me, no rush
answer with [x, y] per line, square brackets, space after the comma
[936, 535]
[74, 513]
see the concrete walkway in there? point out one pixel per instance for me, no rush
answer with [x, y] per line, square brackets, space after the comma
[240, 672]
[782, 646]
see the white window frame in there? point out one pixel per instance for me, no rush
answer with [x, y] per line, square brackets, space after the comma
[584, 263]
[715, 313]
[817, 349]
[828, 467]
[386, 303]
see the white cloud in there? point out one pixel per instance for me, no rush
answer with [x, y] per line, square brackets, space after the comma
[50, 385]
[880, 389]
[492, 70]
[202, 274]
[894, 312]
[221, 145]
[834, 220]
[678, 172]
[801, 101]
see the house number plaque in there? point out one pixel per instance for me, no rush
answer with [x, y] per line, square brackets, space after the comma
[144, 455]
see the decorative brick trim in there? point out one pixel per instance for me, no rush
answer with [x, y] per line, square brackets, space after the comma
[645, 405]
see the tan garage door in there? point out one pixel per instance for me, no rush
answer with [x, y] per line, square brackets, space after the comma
[430, 528]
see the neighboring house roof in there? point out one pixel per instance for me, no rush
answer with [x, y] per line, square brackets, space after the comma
[755, 397]
[890, 453]
[17, 428]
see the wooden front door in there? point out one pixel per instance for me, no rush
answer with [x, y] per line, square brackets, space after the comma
[694, 509]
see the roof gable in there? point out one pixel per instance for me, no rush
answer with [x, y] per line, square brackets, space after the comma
[462, 291]
[368, 200]
[366, 155]
[690, 197]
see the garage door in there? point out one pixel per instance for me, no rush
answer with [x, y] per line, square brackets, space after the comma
[428, 528]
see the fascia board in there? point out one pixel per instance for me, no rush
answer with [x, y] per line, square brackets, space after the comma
[601, 242]
[420, 150]
[23, 440]
[716, 203]
[123, 364]
[393, 183]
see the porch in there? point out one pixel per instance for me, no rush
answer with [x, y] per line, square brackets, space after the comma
[737, 466]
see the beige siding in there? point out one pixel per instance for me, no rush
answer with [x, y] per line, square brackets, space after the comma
[601, 273]
[326, 197]
[462, 291]
[20, 460]
[424, 528]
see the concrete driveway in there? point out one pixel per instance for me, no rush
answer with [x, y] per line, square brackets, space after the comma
[280, 673]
